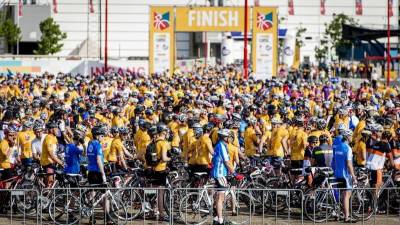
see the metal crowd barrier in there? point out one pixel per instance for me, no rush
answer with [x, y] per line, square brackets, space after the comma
[196, 206]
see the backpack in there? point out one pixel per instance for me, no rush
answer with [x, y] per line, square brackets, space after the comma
[151, 154]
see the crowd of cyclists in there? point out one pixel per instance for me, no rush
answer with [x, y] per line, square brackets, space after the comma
[212, 118]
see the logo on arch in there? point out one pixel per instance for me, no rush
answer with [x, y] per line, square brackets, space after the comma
[161, 21]
[264, 22]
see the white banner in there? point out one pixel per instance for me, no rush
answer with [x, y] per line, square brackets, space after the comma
[161, 52]
[264, 55]
[91, 67]
[289, 48]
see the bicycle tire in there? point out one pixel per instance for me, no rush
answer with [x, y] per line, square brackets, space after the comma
[364, 201]
[243, 201]
[313, 204]
[191, 204]
[133, 203]
[58, 205]
[117, 213]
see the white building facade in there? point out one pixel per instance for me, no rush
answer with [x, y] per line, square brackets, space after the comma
[128, 28]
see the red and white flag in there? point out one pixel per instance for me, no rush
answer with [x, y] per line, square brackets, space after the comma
[256, 2]
[20, 6]
[322, 7]
[91, 7]
[291, 7]
[390, 8]
[55, 6]
[359, 7]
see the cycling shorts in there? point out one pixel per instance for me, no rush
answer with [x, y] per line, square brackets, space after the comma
[345, 183]
[159, 178]
[221, 183]
[95, 177]
[296, 164]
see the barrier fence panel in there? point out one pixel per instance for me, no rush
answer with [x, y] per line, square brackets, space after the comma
[97, 205]
[18, 206]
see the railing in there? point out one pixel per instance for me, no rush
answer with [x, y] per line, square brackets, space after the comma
[196, 206]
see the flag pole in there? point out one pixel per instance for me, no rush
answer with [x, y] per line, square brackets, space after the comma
[388, 43]
[106, 41]
[245, 63]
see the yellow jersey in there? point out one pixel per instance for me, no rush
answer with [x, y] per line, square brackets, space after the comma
[5, 155]
[25, 139]
[276, 149]
[49, 145]
[106, 146]
[203, 155]
[250, 142]
[117, 148]
[141, 140]
[161, 146]
[298, 145]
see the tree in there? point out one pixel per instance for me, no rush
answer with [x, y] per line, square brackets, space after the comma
[300, 30]
[322, 50]
[11, 33]
[333, 33]
[51, 38]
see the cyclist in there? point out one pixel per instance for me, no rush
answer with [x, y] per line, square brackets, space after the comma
[251, 139]
[395, 144]
[96, 174]
[361, 147]
[342, 165]
[308, 153]
[8, 147]
[116, 156]
[72, 159]
[322, 154]
[38, 129]
[49, 160]
[25, 138]
[160, 170]
[278, 145]
[298, 145]
[141, 139]
[219, 171]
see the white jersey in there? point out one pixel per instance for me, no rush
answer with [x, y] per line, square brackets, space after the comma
[37, 145]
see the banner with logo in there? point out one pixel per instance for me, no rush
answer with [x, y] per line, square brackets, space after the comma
[193, 19]
[265, 42]
[322, 7]
[359, 8]
[161, 39]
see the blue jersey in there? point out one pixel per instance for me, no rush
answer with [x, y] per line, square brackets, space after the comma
[93, 150]
[219, 169]
[341, 155]
[72, 159]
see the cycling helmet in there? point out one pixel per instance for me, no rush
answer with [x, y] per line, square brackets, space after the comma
[208, 127]
[235, 125]
[223, 132]
[149, 112]
[81, 128]
[182, 118]
[38, 125]
[323, 138]
[346, 133]
[161, 127]
[139, 109]
[78, 134]
[99, 130]
[123, 130]
[276, 121]
[51, 124]
[252, 120]
[198, 131]
[197, 126]
[152, 131]
[29, 123]
[341, 127]
[312, 139]
[299, 121]
[114, 130]
[387, 134]
[321, 124]
[236, 117]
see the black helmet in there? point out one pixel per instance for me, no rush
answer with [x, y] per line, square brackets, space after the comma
[323, 139]
[152, 131]
[321, 124]
[139, 109]
[208, 127]
[161, 127]
[312, 139]
[99, 130]
[51, 124]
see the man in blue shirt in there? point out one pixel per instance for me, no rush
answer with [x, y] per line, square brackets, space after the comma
[95, 157]
[342, 165]
[72, 159]
[219, 171]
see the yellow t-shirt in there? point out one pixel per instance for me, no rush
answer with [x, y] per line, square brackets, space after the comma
[4, 155]
[25, 139]
[214, 135]
[203, 155]
[49, 145]
[250, 139]
[161, 146]
[361, 152]
[318, 133]
[233, 152]
[116, 149]
[276, 149]
[187, 140]
[106, 146]
[141, 140]
[118, 121]
[357, 131]
[298, 145]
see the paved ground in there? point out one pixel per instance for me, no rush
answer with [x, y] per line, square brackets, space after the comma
[256, 220]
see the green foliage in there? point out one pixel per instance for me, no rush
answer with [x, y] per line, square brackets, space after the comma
[300, 30]
[333, 33]
[322, 50]
[51, 38]
[10, 32]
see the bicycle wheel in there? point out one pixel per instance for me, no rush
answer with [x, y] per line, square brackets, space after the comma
[239, 207]
[133, 203]
[319, 206]
[117, 213]
[26, 203]
[260, 196]
[394, 200]
[177, 192]
[362, 204]
[277, 197]
[64, 209]
[194, 209]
